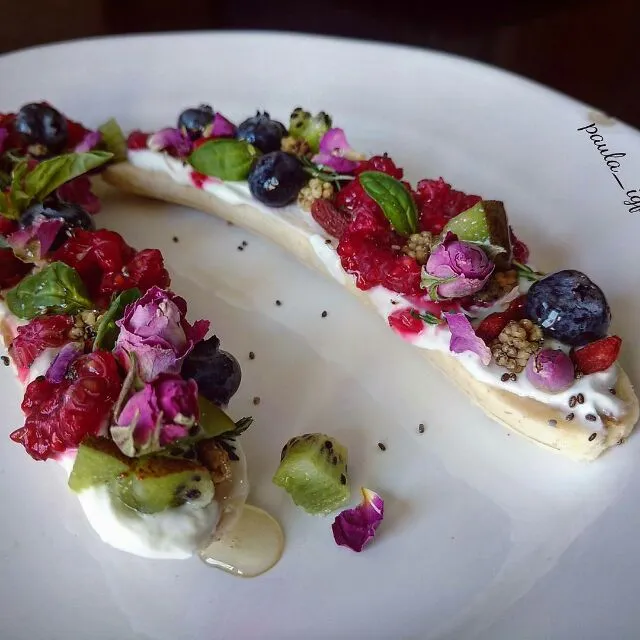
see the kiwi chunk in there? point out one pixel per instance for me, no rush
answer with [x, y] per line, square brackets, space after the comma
[484, 223]
[157, 483]
[313, 470]
[98, 461]
[213, 420]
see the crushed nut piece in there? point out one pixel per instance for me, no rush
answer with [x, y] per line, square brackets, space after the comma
[498, 285]
[515, 345]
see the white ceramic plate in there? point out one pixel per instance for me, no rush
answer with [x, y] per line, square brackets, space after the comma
[485, 535]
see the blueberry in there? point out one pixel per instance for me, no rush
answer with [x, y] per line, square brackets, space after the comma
[73, 216]
[43, 128]
[217, 372]
[276, 179]
[196, 121]
[569, 307]
[262, 132]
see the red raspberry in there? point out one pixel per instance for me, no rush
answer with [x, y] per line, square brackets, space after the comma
[7, 226]
[41, 333]
[12, 270]
[137, 140]
[438, 203]
[405, 323]
[78, 191]
[332, 220]
[145, 270]
[520, 249]
[402, 274]
[59, 416]
[76, 133]
[598, 355]
[380, 163]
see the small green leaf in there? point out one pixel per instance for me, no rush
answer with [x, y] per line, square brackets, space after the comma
[395, 201]
[108, 331]
[224, 158]
[527, 272]
[431, 283]
[53, 173]
[56, 289]
[429, 318]
[213, 420]
[114, 140]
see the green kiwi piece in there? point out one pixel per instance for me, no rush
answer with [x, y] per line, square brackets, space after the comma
[313, 470]
[98, 461]
[157, 483]
[213, 420]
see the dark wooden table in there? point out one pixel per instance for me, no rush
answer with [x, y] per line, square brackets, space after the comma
[589, 49]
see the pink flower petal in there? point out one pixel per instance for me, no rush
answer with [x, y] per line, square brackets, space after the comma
[355, 528]
[223, 128]
[171, 140]
[89, 142]
[35, 240]
[464, 338]
[58, 368]
[336, 152]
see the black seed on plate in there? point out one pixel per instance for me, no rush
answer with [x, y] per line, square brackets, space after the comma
[278, 303]
[229, 223]
[590, 417]
[193, 494]
[324, 314]
[592, 437]
[327, 241]
[240, 247]
[572, 401]
[175, 239]
[552, 423]
[244, 243]
[580, 398]
[421, 428]
[569, 417]
[382, 446]
[343, 479]
[504, 377]
[5, 361]
[252, 356]
[256, 400]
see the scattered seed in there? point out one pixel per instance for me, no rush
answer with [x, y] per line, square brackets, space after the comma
[324, 314]
[175, 239]
[572, 401]
[5, 361]
[382, 446]
[240, 247]
[327, 241]
[590, 417]
[621, 441]
[394, 302]
[513, 377]
[252, 356]
[256, 400]
[244, 243]
[580, 398]
[552, 422]
[343, 479]
[612, 392]
[421, 428]
[570, 416]
[229, 223]
[592, 437]
[278, 303]
[579, 375]
[504, 377]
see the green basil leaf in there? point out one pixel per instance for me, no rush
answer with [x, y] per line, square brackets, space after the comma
[56, 289]
[53, 173]
[114, 140]
[224, 158]
[213, 420]
[108, 331]
[395, 201]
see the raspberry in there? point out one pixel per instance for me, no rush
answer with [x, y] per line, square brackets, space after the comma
[333, 221]
[59, 416]
[144, 271]
[380, 163]
[12, 270]
[520, 249]
[76, 133]
[598, 355]
[402, 274]
[137, 140]
[405, 323]
[40, 334]
[7, 226]
[353, 197]
[438, 203]
[78, 191]
[490, 328]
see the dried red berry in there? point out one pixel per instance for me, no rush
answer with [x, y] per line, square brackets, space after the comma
[333, 221]
[12, 270]
[40, 334]
[59, 416]
[137, 140]
[597, 356]
[489, 329]
[520, 249]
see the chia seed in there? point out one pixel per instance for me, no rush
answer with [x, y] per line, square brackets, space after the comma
[324, 314]
[421, 428]
[592, 437]
[570, 416]
[244, 243]
[552, 423]
[252, 356]
[612, 392]
[382, 446]
[580, 398]
[590, 417]
[572, 401]
[513, 377]
[504, 377]
[175, 239]
[256, 400]
[278, 303]
[5, 361]
[240, 247]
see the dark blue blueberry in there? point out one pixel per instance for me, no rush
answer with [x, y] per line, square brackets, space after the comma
[195, 121]
[43, 128]
[217, 372]
[276, 179]
[262, 132]
[73, 216]
[569, 307]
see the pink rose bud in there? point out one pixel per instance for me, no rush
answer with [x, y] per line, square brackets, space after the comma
[550, 370]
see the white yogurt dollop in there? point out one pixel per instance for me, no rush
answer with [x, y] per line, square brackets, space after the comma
[595, 387]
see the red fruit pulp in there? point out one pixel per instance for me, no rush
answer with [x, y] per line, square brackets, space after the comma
[438, 203]
[406, 324]
[12, 270]
[137, 140]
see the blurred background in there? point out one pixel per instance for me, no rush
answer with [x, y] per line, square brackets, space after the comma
[589, 49]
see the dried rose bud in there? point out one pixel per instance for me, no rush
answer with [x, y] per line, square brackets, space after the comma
[550, 370]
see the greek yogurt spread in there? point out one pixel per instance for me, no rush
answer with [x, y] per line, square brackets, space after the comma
[595, 388]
